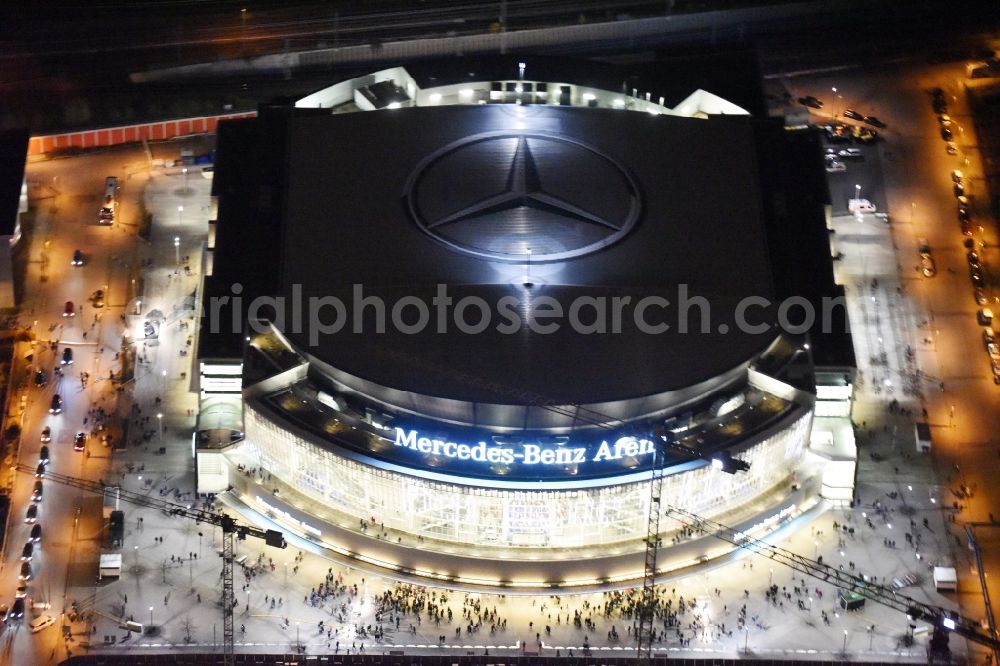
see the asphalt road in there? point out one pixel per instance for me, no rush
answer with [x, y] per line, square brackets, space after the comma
[68, 200]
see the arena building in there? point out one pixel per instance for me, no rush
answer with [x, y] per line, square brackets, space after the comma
[450, 316]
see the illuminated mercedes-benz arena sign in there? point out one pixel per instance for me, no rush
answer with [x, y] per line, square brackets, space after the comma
[517, 457]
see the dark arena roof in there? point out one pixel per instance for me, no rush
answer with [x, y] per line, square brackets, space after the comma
[609, 203]
[519, 211]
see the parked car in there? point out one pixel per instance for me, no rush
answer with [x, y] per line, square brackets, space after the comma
[67, 356]
[973, 258]
[951, 148]
[27, 552]
[36, 533]
[853, 115]
[850, 154]
[873, 121]
[811, 102]
[42, 622]
[17, 609]
[864, 134]
[97, 299]
[25, 571]
[959, 189]
[976, 275]
[80, 441]
[56, 406]
[36, 492]
[43, 455]
[77, 258]
[946, 134]
[40, 470]
[41, 378]
[833, 166]
[927, 265]
[69, 310]
[837, 133]
[938, 101]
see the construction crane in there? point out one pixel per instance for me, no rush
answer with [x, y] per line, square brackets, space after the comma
[942, 620]
[230, 529]
[646, 612]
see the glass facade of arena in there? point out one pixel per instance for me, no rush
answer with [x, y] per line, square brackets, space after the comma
[476, 516]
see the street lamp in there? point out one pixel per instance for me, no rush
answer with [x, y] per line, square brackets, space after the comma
[177, 250]
[185, 172]
[180, 214]
[286, 574]
[159, 420]
[199, 544]
[845, 641]
[150, 616]
[243, 32]
[298, 643]
[816, 550]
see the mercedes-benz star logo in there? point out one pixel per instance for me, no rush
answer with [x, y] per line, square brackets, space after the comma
[506, 196]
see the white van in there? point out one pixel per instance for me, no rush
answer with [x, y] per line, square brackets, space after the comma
[41, 622]
[862, 206]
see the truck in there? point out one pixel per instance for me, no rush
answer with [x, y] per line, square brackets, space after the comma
[111, 566]
[106, 216]
[945, 579]
[983, 69]
[922, 435]
[116, 528]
